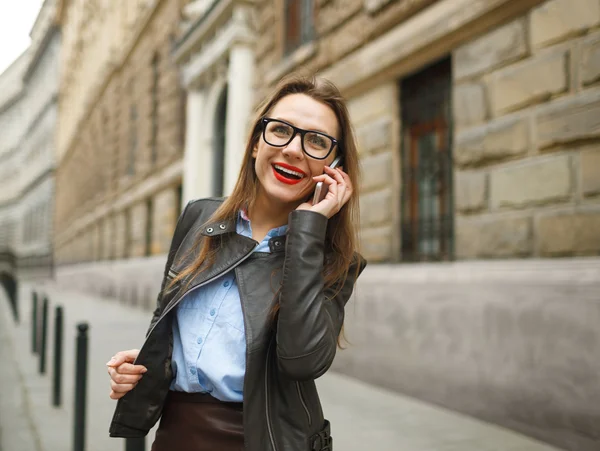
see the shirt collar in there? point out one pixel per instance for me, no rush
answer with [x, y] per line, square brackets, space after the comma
[245, 222]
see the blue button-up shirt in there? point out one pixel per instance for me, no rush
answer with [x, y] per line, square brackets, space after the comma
[209, 344]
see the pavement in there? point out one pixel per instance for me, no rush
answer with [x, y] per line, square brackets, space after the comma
[363, 417]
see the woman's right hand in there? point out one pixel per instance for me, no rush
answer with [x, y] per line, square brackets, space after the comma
[124, 376]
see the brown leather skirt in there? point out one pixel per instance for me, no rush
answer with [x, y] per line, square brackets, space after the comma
[199, 422]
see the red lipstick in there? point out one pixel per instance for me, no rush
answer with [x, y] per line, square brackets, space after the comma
[285, 178]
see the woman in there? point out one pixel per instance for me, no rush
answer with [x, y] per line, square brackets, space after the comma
[252, 302]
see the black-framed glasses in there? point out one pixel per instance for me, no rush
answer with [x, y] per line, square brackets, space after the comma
[278, 133]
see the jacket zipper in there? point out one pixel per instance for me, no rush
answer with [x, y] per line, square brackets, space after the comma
[303, 403]
[216, 276]
[269, 427]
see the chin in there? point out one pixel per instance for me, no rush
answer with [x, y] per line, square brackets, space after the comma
[287, 195]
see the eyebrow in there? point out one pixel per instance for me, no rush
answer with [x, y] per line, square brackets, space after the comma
[279, 118]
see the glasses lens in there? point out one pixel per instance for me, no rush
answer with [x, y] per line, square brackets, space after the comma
[316, 144]
[278, 133]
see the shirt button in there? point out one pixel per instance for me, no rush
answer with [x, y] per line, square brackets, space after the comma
[226, 284]
[212, 312]
[193, 370]
[199, 340]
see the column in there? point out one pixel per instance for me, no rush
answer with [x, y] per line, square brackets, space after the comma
[194, 185]
[239, 106]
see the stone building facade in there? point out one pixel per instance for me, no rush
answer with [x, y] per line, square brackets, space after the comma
[477, 120]
[28, 121]
[120, 136]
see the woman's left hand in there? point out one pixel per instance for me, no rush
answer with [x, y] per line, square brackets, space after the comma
[339, 191]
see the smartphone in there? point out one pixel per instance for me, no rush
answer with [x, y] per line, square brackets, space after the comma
[320, 190]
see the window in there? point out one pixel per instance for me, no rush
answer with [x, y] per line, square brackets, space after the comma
[133, 140]
[298, 23]
[154, 106]
[427, 198]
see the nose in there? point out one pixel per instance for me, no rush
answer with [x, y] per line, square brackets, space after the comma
[294, 148]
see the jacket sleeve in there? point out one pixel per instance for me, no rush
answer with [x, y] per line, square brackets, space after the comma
[175, 242]
[310, 317]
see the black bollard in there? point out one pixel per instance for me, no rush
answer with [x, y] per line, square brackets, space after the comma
[44, 336]
[80, 386]
[135, 444]
[58, 340]
[34, 322]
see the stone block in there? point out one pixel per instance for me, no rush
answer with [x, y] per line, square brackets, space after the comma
[469, 104]
[569, 119]
[376, 171]
[555, 20]
[470, 190]
[374, 135]
[569, 234]
[498, 47]
[376, 208]
[534, 183]
[336, 13]
[528, 82]
[506, 137]
[376, 243]
[590, 60]
[502, 237]
[380, 101]
[590, 170]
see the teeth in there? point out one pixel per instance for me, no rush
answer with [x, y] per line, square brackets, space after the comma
[288, 171]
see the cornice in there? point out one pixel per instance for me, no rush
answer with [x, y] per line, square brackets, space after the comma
[215, 17]
[423, 38]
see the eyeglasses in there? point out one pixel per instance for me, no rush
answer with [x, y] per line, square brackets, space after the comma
[279, 133]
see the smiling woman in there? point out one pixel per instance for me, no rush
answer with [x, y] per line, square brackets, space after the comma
[254, 292]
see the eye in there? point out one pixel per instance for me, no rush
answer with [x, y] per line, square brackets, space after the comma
[281, 129]
[318, 140]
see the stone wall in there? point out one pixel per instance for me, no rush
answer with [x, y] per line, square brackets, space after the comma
[527, 141]
[128, 143]
[375, 117]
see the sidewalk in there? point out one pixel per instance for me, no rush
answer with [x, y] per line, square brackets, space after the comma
[363, 417]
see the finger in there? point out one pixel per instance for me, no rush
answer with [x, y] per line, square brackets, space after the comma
[113, 395]
[329, 181]
[121, 388]
[128, 368]
[341, 191]
[349, 187]
[124, 378]
[335, 173]
[123, 356]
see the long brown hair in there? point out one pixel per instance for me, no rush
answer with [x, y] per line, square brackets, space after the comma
[341, 240]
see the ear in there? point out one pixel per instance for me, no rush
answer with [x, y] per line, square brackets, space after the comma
[255, 150]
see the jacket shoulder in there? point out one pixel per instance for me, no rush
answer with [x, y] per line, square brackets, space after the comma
[204, 206]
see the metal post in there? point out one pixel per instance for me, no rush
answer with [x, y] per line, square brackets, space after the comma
[34, 322]
[58, 340]
[135, 444]
[44, 336]
[80, 386]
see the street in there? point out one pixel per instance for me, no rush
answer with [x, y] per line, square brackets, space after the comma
[363, 416]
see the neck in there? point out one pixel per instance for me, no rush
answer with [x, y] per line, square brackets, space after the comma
[267, 213]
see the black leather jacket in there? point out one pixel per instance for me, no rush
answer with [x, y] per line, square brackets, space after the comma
[282, 411]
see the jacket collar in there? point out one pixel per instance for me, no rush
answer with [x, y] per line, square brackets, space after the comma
[218, 228]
